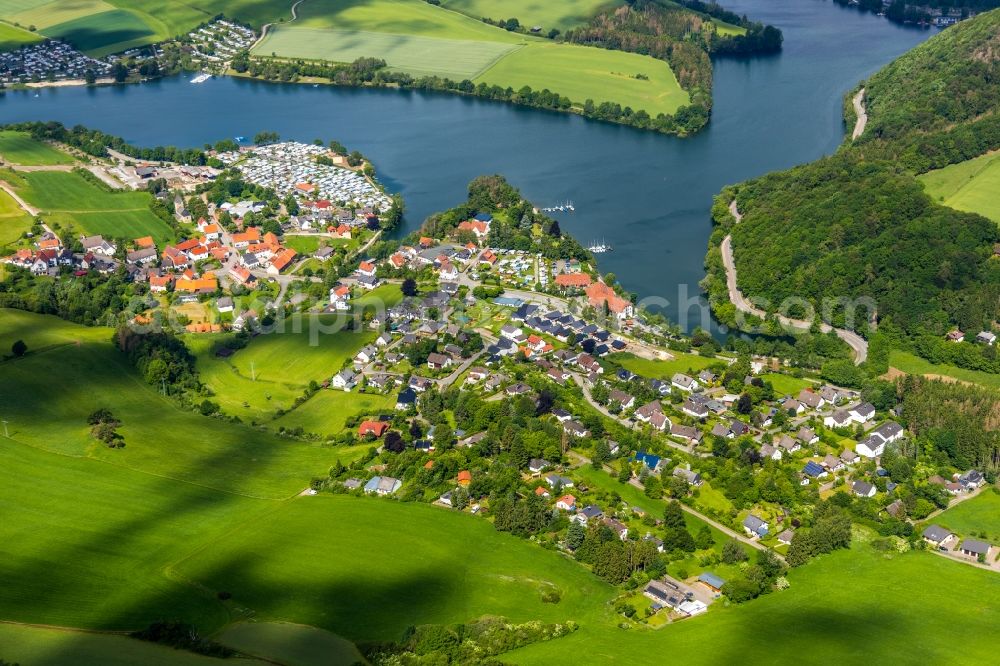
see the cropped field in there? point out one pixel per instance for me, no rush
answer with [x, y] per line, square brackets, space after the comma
[45, 14]
[104, 33]
[974, 517]
[71, 370]
[419, 56]
[291, 644]
[559, 15]
[366, 569]
[21, 148]
[581, 73]
[971, 186]
[914, 365]
[13, 221]
[69, 199]
[12, 37]
[656, 369]
[43, 646]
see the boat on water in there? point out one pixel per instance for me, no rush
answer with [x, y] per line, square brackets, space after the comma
[600, 248]
[201, 78]
[567, 207]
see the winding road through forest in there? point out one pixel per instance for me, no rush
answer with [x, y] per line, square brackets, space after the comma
[858, 344]
[861, 113]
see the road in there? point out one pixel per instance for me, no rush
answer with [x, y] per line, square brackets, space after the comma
[858, 344]
[861, 113]
[29, 209]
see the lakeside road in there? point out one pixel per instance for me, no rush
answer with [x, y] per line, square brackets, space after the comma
[861, 113]
[858, 344]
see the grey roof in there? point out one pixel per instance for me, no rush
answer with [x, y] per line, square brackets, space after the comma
[754, 523]
[711, 579]
[975, 546]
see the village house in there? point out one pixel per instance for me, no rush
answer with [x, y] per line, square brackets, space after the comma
[566, 503]
[811, 399]
[344, 380]
[863, 489]
[938, 536]
[372, 428]
[586, 514]
[383, 485]
[406, 399]
[684, 382]
[974, 548]
[755, 526]
[600, 295]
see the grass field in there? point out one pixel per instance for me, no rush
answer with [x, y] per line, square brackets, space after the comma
[325, 412]
[786, 384]
[419, 56]
[21, 148]
[291, 644]
[13, 221]
[273, 369]
[970, 186]
[106, 32]
[581, 73]
[12, 37]
[559, 15]
[656, 369]
[974, 517]
[914, 365]
[335, 562]
[70, 200]
[44, 14]
[420, 38]
[70, 371]
[42, 646]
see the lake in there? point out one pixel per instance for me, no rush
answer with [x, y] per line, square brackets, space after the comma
[645, 194]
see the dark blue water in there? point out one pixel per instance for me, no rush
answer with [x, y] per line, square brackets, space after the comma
[648, 195]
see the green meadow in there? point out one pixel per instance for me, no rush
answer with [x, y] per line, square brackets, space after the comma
[290, 644]
[971, 186]
[21, 148]
[70, 200]
[786, 384]
[71, 370]
[914, 365]
[655, 368]
[423, 39]
[325, 412]
[13, 222]
[547, 15]
[12, 37]
[978, 517]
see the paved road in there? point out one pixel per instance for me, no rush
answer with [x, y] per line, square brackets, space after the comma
[861, 113]
[858, 344]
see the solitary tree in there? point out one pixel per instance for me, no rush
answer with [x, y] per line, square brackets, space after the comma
[19, 348]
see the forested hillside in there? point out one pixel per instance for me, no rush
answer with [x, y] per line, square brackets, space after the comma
[858, 224]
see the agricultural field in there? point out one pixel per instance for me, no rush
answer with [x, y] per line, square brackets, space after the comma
[72, 370]
[547, 15]
[656, 369]
[419, 56]
[290, 644]
[978, 517]
[422, 39]
[971, 186]
[21, 148]
[12, 37]
[71, 200]
[456, 567]
[274, 369]
[325, 412]
[44, 646]
[914, 365]
[13, 222]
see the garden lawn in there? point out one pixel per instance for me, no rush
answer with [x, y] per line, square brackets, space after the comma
[366, 569]
[48, 395]
[971, 186]
[290, 644]
[974, 517]
[850, 607]
[378, 299]
[582, 72]
[325, 413]
[21, 148]
[13, 221]
[12, 37]
[915, 365]
[548, 15]
[786, 384]
[69, 199]
[44, 646]
[656, 369]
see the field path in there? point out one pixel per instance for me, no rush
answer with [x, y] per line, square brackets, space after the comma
[855, 341]
[264, 28]
[29, 209]
[861, 113]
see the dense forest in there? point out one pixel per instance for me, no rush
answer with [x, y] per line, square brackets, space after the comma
[858, 224]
